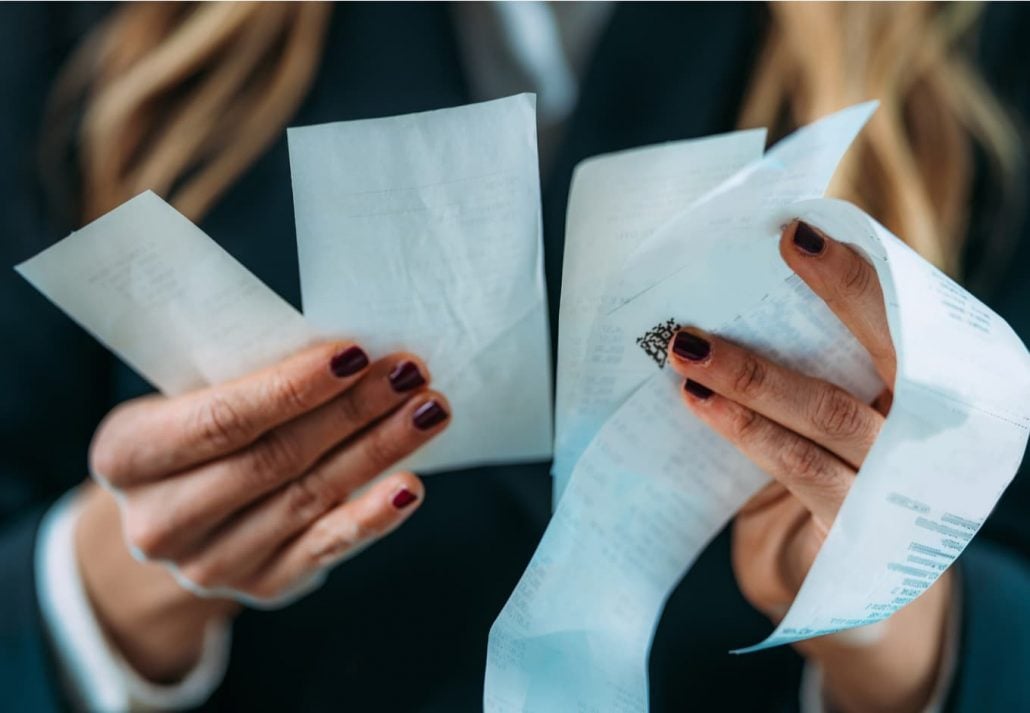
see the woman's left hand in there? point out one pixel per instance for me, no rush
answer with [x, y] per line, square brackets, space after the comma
[812, 437]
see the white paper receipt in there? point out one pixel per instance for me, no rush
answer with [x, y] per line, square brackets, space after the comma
[422, 233]
[418, 232]
[649, 485]
[163, 296]
[618, 201]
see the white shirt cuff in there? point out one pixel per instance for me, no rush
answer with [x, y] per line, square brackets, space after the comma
[96, 676]
[812, 698]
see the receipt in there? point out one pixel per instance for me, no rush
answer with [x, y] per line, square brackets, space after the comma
[654, 485]
[422, 232]
[599, 365]
[158, 292]
[616, 202]
[418, 232]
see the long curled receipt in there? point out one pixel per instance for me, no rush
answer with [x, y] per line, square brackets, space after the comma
[422, 232]
[419, 232]
[653, 485]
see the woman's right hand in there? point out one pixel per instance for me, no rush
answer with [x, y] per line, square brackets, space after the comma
[249, 488]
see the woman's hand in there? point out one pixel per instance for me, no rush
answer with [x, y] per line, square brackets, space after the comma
[812, 437]
[250, 487]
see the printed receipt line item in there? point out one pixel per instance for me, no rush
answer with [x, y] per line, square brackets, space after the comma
[653, 485]
[413, 251]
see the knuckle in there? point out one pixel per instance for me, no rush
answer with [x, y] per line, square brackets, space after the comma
[750, 375]
[744, 424]
[108, 458]
[836, 413]
[333, 543]
[146, 536]
[306, 499]
[206, 573]
[369, 530]
[107, 461]
[804, 462]
[379, 450]
[275, 455]
[856, 277]
[286, 393]
[220, 423]
[352, 410]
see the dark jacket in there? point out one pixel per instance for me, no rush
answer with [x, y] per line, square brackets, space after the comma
[404, 626]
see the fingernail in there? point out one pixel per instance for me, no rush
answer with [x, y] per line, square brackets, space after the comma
[697, 390]
[348, 362]
[428, 415]
[405, 377]
[690, 347]
[808, 240]
[403, 498]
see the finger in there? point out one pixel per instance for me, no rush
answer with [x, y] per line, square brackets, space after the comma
[815, 476]
[340, 533]
[815, 409]
[849, 286]
[152, 437]
[242, 545]
[169, 517]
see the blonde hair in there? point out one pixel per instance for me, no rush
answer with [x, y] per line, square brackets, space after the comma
[182, 99]
[913, 165]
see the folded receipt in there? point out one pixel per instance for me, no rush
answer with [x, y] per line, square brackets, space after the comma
[418, 233]
[644, 485]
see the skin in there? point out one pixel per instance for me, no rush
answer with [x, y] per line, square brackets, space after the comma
[251, 485]
[812, 437]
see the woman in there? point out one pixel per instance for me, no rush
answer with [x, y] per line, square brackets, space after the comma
[245, 485]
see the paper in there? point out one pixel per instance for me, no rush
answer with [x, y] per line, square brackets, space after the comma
[164, 297]
[654, 485]
[422, 233]
[417, 233]
[618, 201]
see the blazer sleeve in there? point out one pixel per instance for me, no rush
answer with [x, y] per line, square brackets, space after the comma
[994, 639]
[28, 675]
[994, 649]
[55, 381]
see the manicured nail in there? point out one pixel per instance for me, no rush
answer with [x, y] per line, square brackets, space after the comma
[690, 347]
[403, 498]
[428, 415]
[808, 240]
[697, 390]
[405, 377]
[349, 362]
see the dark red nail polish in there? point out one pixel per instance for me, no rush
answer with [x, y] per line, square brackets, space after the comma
[697, 390]
[405, 377]
[808, 240]
[348, 362]
[690, 347]
[428, 415]
[403, 498]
